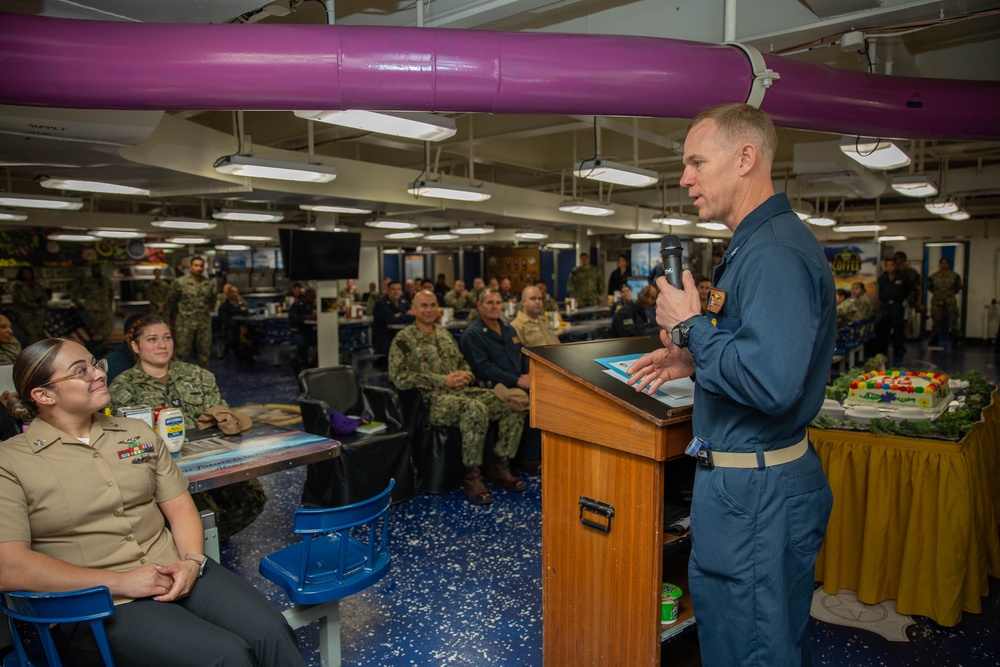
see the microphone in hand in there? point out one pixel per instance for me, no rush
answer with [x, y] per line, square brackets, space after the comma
[671, 252]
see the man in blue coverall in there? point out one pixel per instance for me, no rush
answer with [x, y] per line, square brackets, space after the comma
[760, 359]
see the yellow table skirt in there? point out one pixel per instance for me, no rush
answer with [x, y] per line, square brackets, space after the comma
[913, 520]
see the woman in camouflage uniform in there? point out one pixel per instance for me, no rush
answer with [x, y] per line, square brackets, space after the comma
[157, 381]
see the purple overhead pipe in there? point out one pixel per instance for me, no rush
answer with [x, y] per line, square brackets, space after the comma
[113, 65]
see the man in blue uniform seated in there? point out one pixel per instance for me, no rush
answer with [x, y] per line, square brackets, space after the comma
[631, 319]
[393, 308]
[493, 349]
[760, 360]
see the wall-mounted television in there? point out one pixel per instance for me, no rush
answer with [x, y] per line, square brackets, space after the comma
[319, 255]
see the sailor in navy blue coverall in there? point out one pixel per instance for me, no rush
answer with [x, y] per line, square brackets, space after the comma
[760, 360]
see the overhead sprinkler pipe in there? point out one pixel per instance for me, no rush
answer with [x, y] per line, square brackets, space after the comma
[116, 65]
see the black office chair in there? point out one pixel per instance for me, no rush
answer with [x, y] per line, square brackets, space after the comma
[366, 462]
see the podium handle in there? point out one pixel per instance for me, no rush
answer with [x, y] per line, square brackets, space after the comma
[596, 507]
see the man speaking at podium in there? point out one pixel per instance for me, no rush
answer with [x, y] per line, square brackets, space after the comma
[760, 359]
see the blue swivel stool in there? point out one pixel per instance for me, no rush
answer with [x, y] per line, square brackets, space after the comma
[343, 551]
[90, 605]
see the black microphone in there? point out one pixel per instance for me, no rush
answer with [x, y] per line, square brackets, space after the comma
[671, 251]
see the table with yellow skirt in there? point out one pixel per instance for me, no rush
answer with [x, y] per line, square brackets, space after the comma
[913, 520]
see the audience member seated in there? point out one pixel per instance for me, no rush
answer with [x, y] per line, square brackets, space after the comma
[121, 358]
[301, 333]
[391, 309]
[549, 304]
[477, 286]
[493, 349]
[506, 293]
[626, 297]
[704, 288]
[173, 606]
[159, 382]
[459, 298]
[373, 299]
[845, 307]
[428, 286]
[531, 324]
[425, 356]
[860, 301]
[241, 339]
[351, 292]
[10, 347]
[632, 318]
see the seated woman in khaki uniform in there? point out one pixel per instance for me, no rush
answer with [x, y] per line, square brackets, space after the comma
[84, 501]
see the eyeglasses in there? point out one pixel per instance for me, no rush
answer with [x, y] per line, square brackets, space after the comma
[85, 373]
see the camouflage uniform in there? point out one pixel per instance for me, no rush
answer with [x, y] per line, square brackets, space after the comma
[945, 285]
[9, 351]
[419, 360]
[95, 296]
[549, 305]
[30, 302]
[193, 390]
[158, 292]
[845, 312]
[916, 291]
[536, 331]
[194, 302]
[464, 302]
[585, 285]
[862, 307]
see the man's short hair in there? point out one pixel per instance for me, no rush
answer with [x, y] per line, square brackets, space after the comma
[485, 293]
[583, 254]
[900, 255]
[197, 258]
[739, 122]
[394, 282]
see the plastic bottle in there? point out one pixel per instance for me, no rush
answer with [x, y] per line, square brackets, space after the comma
[170, 428]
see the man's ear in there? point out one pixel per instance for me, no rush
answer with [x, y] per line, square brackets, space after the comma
[748, 158]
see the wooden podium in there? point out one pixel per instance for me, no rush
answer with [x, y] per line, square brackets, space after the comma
[603, 450]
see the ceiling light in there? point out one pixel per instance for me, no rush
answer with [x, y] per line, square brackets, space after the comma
[874, 153]
[329, 208]
[882, 239]
[444, 191]
[393, 251]
[405, 235]
[821, 221]
[860, 228]
[188, 240]
[41, 201]
[91, 186]
[671, 219]
[72, 237]
[442, 237]
[250, 237]
[232, 246]
[941, 206]
[473, 229]
[557, 245]
[13, 215]
[714, 226]
[701, 239]
[914, 186]
[248, 215]
[336, 229]
[642, 236]
[803, 210]
[598, 169]
[423, 126]
[246, 165]
[163, 245]
[183, 223]
[958, 216]
[531, 236]
[585, 208]
[390, 224]
[118, 233]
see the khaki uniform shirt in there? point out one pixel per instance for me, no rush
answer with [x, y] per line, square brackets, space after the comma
[91, 505]
[537, 331]
[190, 388]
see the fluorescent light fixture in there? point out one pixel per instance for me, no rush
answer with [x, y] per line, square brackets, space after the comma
[248, 215]
[250, 237]
[882, 239]
[91, 186]
[164, 245]
[598, 169]
[846, 229]
[390, 224]
[671, 219]
[183, 223]
[701, 239]
[423, 126]
[188, 240]
[642, 236]
[714, 226]
[442, 237]
[13, 215]
[246, 165]
[232, 246]
[41, 201]
[942, 206]
[60, 236]
[531, 236]
[393, 251]
[473, 229]
[118, 233]
[585, 208]
[445, 191]
[404, 235]
[821, 221]
[873, 153]
[558, 245]
[958, 216]
[336, 229]
[803, 210]
[330, 208]
[914, 186]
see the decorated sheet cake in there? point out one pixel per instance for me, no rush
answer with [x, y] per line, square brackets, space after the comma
[900, 389]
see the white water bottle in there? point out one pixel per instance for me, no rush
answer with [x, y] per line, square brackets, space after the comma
[170, 428]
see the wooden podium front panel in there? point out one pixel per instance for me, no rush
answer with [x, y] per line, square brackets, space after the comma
[600, 591]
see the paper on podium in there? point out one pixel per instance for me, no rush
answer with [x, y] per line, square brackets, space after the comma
[676, 393]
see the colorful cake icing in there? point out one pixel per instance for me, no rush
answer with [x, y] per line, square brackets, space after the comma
[899, 389]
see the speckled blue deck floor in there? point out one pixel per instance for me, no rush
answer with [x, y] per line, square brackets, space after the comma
[465, 584]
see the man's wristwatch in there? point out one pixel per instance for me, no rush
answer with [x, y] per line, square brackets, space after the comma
[679, 334]
[201, 559]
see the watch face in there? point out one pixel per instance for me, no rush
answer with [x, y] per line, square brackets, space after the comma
[677, 336]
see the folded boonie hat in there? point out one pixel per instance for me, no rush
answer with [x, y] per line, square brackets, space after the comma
[515, 398]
